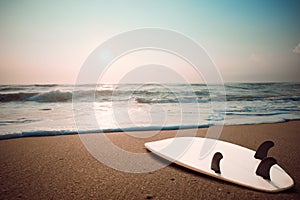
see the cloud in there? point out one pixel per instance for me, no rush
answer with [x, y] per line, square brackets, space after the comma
[297, 49]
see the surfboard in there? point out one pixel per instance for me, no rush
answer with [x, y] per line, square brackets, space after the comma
[225, 161]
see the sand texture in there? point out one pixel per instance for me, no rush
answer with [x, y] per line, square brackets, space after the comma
[60, 167]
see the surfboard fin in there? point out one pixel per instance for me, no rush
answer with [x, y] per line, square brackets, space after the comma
[264, 167]
[262, 150]
[215, 163]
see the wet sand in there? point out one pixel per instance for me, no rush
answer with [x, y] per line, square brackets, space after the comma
[60, 167]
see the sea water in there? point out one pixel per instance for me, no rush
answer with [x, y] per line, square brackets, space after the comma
[37, 110]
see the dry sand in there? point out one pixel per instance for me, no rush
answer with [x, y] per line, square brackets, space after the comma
[60, 167]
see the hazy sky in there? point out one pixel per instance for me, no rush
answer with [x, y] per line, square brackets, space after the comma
[47, 41]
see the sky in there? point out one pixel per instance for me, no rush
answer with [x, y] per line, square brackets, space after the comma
[249, 41]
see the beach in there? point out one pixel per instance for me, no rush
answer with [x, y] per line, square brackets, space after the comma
[86, 86]
[60, 167]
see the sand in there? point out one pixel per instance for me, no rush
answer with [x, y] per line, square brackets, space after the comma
[60, 167]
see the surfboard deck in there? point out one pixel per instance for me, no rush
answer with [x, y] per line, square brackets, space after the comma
[238, 165]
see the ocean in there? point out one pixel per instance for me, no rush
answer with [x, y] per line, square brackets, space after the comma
[40, 110]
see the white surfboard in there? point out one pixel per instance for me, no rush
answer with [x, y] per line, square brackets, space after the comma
[238, 164]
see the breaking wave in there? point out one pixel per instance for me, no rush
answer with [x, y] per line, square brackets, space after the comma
[52, 96]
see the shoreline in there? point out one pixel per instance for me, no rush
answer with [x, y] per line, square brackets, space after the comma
[61, 168]
[121, 130]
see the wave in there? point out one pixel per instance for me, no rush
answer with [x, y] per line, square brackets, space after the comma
[52, 96]
[163, 101]
[261, 98]
[37, 134]
[208, 99]
[103, 95]
[44, 85]
[41, 133]
[9, 88]
[150, 94]
[16, 96]
[255, 114]
[112, 130]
